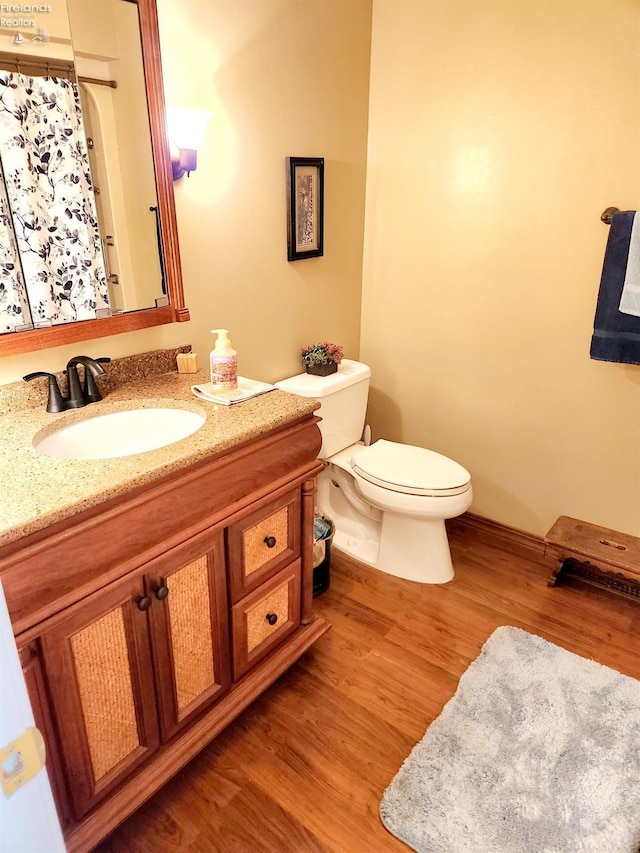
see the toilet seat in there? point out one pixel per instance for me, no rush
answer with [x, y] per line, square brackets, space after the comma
[410, 470]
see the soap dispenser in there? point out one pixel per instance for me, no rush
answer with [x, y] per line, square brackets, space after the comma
[224, 362]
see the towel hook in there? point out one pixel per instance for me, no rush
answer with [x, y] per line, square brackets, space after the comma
[607, 215]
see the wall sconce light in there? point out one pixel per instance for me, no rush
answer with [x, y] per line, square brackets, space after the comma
[186, 133]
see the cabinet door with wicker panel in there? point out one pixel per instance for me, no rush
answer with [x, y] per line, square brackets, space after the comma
[189, 629]
[97, 658]
[130, 665]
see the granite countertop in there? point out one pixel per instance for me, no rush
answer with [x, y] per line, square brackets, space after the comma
[38, 490]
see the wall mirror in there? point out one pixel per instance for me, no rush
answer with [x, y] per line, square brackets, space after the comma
[105, 55]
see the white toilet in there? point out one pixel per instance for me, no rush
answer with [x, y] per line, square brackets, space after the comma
[388, 501]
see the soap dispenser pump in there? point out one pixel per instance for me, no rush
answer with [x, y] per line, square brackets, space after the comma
[224, 362]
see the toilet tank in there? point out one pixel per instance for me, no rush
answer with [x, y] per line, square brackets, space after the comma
[343, 403]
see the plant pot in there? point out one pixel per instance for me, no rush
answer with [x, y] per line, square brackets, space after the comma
[322, 369]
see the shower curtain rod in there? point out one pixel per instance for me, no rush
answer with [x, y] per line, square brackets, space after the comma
[112, 83]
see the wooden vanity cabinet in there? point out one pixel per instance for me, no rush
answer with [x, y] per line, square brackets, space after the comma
[193, 596]
[128, 666]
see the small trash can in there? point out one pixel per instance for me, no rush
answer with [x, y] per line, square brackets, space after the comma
[323, 532]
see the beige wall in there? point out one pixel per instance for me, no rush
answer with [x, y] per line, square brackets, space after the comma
[284, 77]
[499, 132]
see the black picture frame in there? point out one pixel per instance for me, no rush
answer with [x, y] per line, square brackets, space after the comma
[305, 207]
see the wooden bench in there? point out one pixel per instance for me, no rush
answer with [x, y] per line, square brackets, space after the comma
[596, 555]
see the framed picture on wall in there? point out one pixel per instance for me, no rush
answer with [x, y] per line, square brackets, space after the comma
[305, 207]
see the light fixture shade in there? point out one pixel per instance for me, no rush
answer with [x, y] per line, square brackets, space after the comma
[187, 126]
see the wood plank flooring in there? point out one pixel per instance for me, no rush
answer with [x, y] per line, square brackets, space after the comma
[304, 768]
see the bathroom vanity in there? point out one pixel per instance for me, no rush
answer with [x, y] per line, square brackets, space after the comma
[153, 597]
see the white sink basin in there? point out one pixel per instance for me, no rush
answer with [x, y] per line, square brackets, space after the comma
[120, 433]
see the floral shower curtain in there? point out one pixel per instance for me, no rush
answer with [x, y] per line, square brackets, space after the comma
[14, 306]
[48, 183]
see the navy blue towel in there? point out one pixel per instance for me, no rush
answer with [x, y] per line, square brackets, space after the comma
[616, 336]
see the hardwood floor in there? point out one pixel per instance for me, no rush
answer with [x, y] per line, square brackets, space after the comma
[304, 768]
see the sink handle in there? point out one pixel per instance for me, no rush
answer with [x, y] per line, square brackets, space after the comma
[55, 402]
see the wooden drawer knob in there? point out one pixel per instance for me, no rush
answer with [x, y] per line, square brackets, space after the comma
[270, 541]
[272, 618]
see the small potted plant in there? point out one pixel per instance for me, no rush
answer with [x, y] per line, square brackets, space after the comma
[321, 359]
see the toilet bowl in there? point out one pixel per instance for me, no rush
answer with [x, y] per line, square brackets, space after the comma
[414, 491]
[389, 501]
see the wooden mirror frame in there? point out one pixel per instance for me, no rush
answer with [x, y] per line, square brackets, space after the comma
[15, 343]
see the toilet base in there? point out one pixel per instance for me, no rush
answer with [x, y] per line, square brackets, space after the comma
[424, 558]
[415, 549]
[408, 547]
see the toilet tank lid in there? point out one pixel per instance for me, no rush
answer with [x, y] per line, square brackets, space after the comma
[306, 385]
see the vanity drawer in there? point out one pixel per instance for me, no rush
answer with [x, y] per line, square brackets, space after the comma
[264, 618]
[262, 543]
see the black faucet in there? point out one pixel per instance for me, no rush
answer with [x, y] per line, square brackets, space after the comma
[90, 390]
[76, 396]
